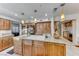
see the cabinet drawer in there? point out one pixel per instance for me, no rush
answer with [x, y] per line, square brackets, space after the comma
[38, 43]
[27, 50]
[27, 42]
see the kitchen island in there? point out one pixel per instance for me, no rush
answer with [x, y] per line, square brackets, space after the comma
[38, 45]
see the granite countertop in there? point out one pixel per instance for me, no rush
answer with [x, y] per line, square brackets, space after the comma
[3, 35]
[42, 38]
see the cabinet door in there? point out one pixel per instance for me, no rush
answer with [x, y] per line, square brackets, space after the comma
[5, 42]
[62, 50]
[27, 47]
[0, 44]
[10, 41]
[18, 46]
[27, 50]
[38, 51]
[38, 48]
[48, 27]
[43, 27]
[5, 24]
[49, 49]
[55, 49]
[39, 28]
[1, 24]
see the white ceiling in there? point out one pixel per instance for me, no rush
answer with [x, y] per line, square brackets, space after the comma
[14, 10]
[69, 8]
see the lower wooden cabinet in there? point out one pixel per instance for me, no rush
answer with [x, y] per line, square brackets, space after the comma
[49, 49]
[7, 42]
[27, 47]
[0, 44]
[18, 46]
[55, 49]
[10, 41]
[39, 48]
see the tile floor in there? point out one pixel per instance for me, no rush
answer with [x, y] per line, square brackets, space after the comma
[4, 53]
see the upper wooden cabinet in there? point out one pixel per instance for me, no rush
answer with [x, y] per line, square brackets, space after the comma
[43, 27]
[69, 28]
[5, 24]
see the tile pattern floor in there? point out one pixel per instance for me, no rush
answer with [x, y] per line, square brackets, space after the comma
[4, 53]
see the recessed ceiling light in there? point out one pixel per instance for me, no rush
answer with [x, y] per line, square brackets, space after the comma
[22, 13]
[45, 14]
[35, 10]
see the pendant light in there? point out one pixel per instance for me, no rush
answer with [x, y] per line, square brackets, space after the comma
[62, 12]
[62, 15]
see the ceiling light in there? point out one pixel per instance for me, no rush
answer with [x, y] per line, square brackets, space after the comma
[45, 14]
[35, 10]
[62, 14]
[22, 21]
[22, 13]
[35, 20]
[55, 9]
[62, 17]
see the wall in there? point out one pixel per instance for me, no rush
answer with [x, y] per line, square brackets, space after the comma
[52, 26]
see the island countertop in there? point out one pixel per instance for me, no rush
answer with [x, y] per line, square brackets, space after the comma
[42, 38]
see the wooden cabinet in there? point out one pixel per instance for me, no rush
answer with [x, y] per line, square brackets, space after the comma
[49, 49]
[0, 44]
[1, 24]
[10, 41]
[5, 24]
[38, 48]
[27, 47]
[18, 46]
[68, 29]
[7, 42]
[39, 28]
[43, 27]
[55, 49]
